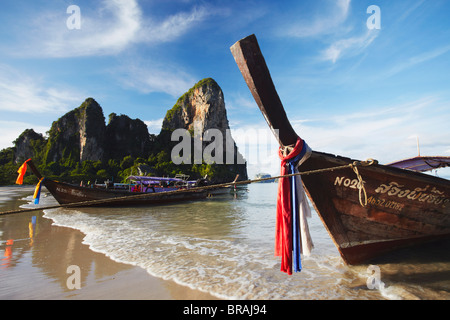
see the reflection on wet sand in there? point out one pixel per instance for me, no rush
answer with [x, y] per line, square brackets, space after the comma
[36, 256]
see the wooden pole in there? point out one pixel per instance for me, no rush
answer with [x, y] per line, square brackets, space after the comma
[252, 65]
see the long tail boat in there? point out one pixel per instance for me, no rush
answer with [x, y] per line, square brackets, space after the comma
[399, 207]
[69, 194]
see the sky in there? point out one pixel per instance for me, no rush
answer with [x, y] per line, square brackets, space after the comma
[358, 78]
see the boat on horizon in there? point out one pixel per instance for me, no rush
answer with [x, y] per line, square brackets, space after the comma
[367, 212]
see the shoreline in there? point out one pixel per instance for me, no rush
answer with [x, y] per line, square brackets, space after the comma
[35, 263]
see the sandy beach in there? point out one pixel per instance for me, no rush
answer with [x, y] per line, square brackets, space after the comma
[220, 246]
[36, 260]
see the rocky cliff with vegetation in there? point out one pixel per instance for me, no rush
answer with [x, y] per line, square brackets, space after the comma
[201, 112]
[126, 137]
[81, 146]
[77, 136]
[203, 105]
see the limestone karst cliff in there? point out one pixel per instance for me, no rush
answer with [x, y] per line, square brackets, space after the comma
[81, 134]
[202, 105]
[122, 145]
[27, 145]
[78, 135]
[201, 111]
[126, 137]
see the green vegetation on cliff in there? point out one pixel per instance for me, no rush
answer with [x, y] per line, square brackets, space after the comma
[71, 171]
[81, 147]
[177, 107]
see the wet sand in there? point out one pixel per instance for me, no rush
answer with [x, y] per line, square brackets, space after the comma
[36, 260]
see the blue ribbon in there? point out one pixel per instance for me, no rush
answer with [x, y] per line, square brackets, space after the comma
[296, 235]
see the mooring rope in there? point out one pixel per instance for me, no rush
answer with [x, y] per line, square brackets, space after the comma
[360, 186]
[352, 165]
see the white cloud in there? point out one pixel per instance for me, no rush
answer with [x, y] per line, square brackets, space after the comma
[383, 133]
[22, 93]
[418, 59]
[239, 102]
[149, 77]
[172, 27]
[113, 27]
[108, 30]
[349, 47]
[331, 26]
[154, 126]
[334, 13]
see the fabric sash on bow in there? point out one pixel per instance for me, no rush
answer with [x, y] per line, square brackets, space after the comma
[37, 191]
[22, 170]
[292, 234]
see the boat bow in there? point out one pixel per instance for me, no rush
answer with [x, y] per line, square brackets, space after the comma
[403, 207]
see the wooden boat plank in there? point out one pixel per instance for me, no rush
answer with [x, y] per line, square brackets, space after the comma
[360, 229]
[394, 219]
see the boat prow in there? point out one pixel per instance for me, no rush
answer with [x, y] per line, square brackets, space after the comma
[368, 211]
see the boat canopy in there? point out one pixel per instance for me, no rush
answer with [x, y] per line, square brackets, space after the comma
[154, 179]
[158, 180]
[422, 164]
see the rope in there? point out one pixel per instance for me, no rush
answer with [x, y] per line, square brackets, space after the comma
[360, 186]
[353, 166]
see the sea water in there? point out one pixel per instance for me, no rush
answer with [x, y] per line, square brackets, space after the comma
[224, 245]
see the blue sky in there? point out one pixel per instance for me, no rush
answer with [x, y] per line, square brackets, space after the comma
[348, 90]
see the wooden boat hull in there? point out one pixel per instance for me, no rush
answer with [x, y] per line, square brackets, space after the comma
[403, 208]
[68, 194]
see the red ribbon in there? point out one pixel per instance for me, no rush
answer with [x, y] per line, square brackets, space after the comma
[283, 233]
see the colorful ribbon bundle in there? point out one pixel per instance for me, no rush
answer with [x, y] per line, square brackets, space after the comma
[292, 234]
[37, 191]
[22, 170]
